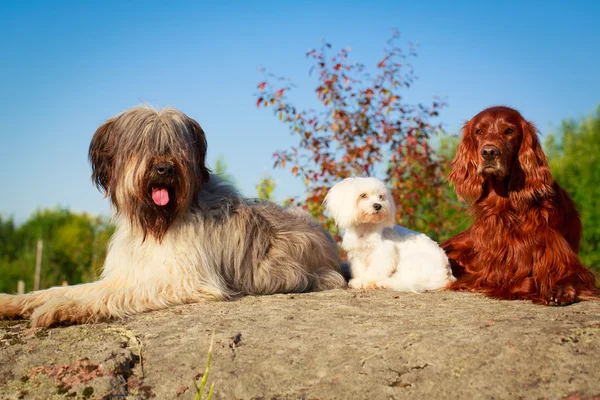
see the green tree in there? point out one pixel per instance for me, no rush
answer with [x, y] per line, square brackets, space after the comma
[11, 244]
[74, 248]
[10, 240]
[222, 171]
[574, 152]
[265, 188]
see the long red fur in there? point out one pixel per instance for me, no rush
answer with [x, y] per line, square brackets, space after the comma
[524, 241]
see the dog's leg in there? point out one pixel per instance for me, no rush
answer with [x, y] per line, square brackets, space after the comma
[118, 303]
[382, 265]
[357, 270]
[21, 306]
[561, 277]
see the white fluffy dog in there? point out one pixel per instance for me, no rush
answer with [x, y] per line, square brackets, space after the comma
[381, 254]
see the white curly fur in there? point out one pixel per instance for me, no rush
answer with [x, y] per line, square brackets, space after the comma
[382, 254]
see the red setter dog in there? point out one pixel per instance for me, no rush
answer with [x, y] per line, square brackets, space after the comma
[525, 238]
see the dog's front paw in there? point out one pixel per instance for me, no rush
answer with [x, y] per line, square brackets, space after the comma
[561, 295]
[11, 307]
[355, 283]
[60, 311]
[359, 283]
[383, 285]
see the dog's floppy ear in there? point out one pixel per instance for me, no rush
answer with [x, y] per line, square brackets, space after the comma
[340, 202]
[530, 176]
[101, 155]
[202, 148]
[467, 183]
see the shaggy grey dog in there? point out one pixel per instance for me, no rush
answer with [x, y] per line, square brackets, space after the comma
[183, 235]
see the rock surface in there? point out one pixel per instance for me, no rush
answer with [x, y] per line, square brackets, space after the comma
[340, 344]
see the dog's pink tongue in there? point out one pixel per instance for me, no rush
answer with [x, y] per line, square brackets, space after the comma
[160, 196]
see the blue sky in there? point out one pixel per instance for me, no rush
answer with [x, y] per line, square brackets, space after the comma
[67, 66]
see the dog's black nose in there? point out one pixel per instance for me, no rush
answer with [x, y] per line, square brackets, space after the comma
[377, 206]
[164, 169]
[490, 152]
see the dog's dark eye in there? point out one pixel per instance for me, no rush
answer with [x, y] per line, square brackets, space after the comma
[508, 132]
[363, 195]
[381, 197]
[478, 132]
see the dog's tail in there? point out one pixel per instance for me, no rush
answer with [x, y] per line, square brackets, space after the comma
[329, 279]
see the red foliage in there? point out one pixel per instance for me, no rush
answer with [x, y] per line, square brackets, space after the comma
[364, 128]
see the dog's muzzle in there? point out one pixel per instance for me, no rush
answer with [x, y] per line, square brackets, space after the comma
[161, 182]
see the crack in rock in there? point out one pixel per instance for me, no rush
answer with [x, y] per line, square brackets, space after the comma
[125, 381]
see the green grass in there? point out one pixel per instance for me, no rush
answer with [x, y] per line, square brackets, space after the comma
[200, 388]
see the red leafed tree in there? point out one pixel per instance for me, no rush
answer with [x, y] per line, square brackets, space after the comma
[365, 128]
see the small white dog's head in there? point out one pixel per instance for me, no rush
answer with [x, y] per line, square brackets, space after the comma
[356, 201]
